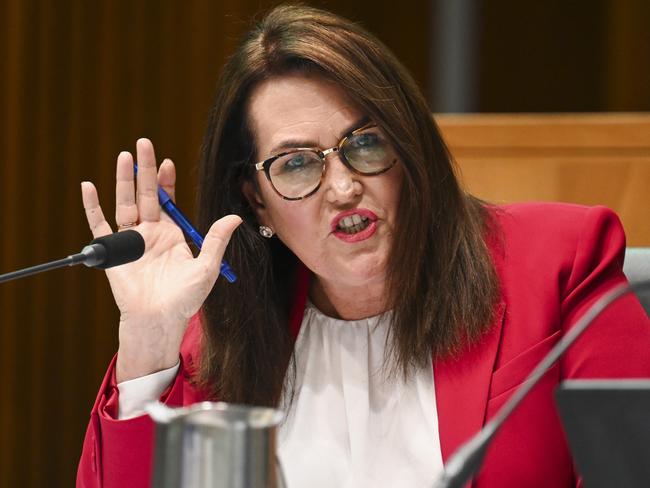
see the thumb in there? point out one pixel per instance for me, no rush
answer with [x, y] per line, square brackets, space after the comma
[216, 240]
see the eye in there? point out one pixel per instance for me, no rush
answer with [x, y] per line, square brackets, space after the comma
[366, 150]
[364, 141]
[295, 163]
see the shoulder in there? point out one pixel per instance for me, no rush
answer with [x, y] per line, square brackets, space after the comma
[557, 242]
[551, 216]
[560, 227]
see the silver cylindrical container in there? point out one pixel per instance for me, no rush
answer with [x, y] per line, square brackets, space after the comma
[210, 445]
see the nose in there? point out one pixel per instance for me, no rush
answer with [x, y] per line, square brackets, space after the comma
[340, 184]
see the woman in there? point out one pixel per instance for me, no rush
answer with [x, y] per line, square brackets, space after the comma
[387, 311]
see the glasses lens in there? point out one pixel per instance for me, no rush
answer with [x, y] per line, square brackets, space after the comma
[368, 151]
[295, 175]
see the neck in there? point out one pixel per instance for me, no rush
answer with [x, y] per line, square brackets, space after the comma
[348, 302]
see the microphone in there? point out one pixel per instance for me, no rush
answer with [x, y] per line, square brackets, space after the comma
[103, 252]
[468, 458]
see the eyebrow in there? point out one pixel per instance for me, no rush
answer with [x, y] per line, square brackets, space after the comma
[297, 143]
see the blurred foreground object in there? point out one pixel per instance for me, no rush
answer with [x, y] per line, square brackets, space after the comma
[210, 445]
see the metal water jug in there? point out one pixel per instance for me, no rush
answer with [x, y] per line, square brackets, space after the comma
[210, 445]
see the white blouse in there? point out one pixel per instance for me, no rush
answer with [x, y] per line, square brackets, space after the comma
[350, 423]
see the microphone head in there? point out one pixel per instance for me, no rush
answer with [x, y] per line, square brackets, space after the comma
[120, 248]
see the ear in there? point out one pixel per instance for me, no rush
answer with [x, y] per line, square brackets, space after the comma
[252, 194]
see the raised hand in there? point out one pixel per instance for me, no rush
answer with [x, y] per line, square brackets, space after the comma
[157, 294]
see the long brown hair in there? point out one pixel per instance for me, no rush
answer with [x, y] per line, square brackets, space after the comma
[441, 279]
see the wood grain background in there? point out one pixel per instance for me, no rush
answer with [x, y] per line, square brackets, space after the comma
[593, 159]
[82, 80]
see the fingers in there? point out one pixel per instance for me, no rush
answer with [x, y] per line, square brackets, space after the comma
[167, 178]
[147, 193]
[126, 209]
[96, 221]
[167, 181]
[133, 206]
[215, 242]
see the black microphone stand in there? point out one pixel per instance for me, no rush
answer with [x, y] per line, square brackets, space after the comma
[71, 260]
[103, 252]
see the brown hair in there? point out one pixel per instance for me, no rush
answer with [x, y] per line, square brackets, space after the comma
[441, 279]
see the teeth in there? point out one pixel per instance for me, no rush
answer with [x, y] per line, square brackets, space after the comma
[353, 224]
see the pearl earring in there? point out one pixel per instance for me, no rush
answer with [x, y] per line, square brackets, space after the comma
[266, 231]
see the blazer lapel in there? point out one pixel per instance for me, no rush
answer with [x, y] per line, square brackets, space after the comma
[462, 385]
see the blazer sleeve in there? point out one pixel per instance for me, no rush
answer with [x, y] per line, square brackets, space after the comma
[118, 453]
[616, 345]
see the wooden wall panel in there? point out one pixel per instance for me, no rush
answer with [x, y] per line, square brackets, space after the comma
[627, 53]
[559, 56]
[592, 159]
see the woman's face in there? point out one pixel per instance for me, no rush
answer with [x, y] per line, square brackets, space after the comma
[304, 111]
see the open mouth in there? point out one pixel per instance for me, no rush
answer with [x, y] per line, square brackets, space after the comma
[353, 224]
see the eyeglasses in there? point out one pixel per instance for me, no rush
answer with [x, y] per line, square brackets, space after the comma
[298, 173]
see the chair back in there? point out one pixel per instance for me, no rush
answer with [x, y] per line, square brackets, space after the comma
[637, 268]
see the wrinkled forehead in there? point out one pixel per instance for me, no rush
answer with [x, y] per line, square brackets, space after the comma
[299, 111]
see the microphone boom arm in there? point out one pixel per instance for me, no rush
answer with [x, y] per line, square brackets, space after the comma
[103, 252]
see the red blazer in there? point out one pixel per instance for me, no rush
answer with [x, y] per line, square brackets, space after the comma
[553, 261]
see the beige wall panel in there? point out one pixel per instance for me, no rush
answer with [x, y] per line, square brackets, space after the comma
[591, 159]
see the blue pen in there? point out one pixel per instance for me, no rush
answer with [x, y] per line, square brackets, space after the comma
[190, 231]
